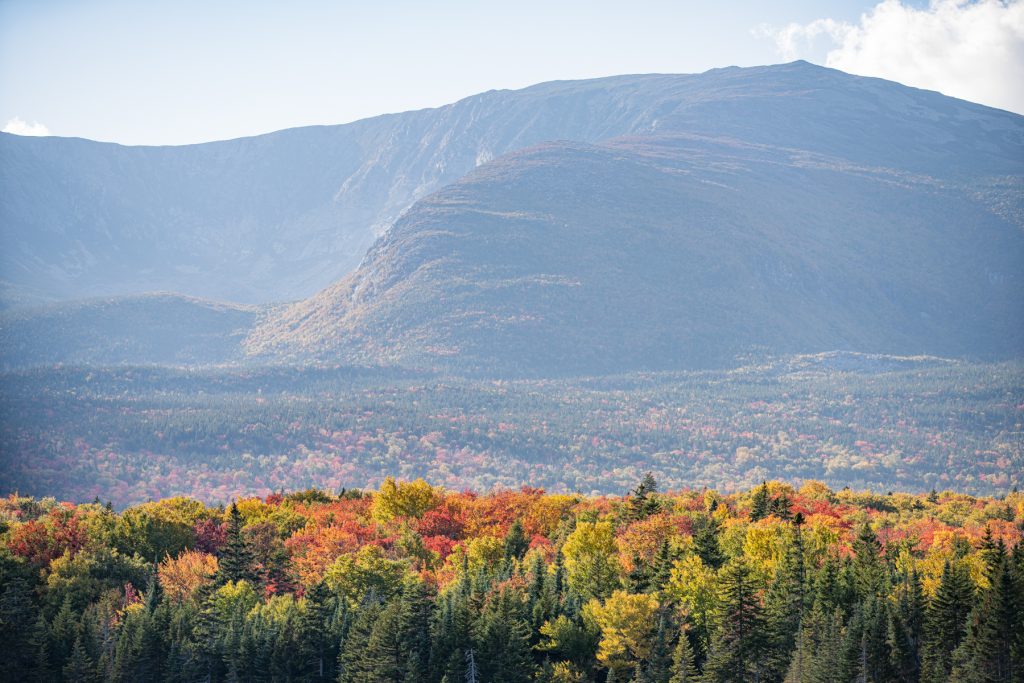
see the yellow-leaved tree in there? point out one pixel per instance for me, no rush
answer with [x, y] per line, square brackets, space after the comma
[404, 499]
[626, 622]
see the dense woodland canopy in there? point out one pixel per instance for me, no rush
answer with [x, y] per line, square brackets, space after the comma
[132, 434]
[416, 583]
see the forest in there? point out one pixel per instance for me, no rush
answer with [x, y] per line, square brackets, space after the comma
[132, 434]
[414, 582]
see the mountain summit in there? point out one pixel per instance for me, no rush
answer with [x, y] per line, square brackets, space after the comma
[785, 209]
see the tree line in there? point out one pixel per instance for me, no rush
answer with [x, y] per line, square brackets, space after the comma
[413, 583]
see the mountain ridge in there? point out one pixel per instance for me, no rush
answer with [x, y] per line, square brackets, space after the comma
[281, 215]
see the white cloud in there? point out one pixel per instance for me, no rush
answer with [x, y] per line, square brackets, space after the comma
[968, 49]
[20, 127]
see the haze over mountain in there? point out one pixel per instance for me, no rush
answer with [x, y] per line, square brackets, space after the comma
[632, 222]
[801, 210]
[278, 216]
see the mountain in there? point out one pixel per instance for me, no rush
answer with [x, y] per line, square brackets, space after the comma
[790, 209]
[279, 216]
[154, 328]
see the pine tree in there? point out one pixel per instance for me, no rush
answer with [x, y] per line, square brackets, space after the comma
[684, 670]
[236, 562]
[16, 620]
[987, 653]
[740, 649]
[504, 654]
[516, 543]
[354, 664]
[869, 570]
[79, 668]
[946, 622]
[759, 507]
[314, 650]
[705, 541]
[786, 603]
[641, 503]
[906, 627]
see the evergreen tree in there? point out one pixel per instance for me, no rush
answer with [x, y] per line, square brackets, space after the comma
[820, 653]
[16, 621]
[780, 507]
[684, 670]
[759, 507]
[741, 648]
[987, 653]
[516, 543]
[314, 647]
[869, 570]
[504, 654]
[662, 570]
[39, 642]
[79, 668]
[641, 503]
[786, 602]
[946, 622]
[705, 541]
[906, 627]
[658, 667]
[236, 562]
[355, 664]
[867, 642]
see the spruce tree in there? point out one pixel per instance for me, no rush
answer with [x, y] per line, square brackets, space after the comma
[39, 642]
[16, 621]
[946, 622]
[869, 570]
[741, 648]
[79, 668]
[867, 641]
[355, 665]
[819, 656]
[314, 649]
[759, 507]
[684, 670]
[504, 654]
[641, 503]
[987, 653]
[516, 543]
[786, 603]
[658, 667]
[906, 627]
[236, 562]
[705, 541]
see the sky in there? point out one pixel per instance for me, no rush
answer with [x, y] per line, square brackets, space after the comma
[159, 73]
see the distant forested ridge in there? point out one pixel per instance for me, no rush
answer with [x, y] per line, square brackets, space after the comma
[414, 583]
[129, 434]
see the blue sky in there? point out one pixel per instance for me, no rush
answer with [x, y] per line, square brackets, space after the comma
[154, 72]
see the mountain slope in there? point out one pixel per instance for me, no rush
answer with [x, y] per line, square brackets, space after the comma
[154, 328]
[279, 216]
[677, 251]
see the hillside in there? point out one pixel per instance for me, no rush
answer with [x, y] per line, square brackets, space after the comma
[682, 251]
[279, 216]
[155, 328]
